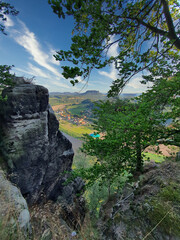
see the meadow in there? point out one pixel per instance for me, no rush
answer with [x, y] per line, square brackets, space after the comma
[73, 130]
[77, 110]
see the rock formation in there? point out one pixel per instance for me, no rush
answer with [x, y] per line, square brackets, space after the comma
[13, 210]
[148, 210]
[37, 155]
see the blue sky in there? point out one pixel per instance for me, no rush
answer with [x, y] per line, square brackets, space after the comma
[34, 36]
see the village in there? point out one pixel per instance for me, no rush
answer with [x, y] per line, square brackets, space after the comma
[65, 115]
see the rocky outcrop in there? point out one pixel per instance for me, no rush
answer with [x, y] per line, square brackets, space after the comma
[148, 210]
[13, 209]
[38, 156]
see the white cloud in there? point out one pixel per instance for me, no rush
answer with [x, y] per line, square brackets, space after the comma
[79, 78]
[135, 83]
[135, 86]
[60, 84]
[100, 82]
[52, 58]
[22, 71]
[37, 71]
[34, 71]
[49, 82]
[28, 40]
[112, 74]
[113, 50]
[9, 22]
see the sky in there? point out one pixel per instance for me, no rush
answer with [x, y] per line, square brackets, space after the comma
[34, 35]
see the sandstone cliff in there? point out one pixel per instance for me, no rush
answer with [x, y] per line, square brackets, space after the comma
[36, 154]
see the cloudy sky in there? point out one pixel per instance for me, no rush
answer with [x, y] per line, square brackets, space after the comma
[34, 36]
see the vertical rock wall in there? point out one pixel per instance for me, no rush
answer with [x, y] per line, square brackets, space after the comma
[37, 154]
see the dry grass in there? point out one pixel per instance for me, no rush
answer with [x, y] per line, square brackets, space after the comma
[164, 150]
[9, 225]
[46, 218]
[9, 212]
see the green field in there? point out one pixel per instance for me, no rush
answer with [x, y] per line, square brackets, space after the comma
[74, 130]
[77, 109]
[64, 100]
[55, 101]
[154, 157]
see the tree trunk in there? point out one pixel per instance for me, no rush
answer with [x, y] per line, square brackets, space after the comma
[139, 161]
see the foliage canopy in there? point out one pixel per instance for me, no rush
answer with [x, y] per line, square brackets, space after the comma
[146, 32]
[127, 128]
[5, 76]
[6, 9]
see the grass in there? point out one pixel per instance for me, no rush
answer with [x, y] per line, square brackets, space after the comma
[55, 101]
[166, 203]
[98, 193]
[83, 161]
[154, 157]
[74, 130]
[9, 214]
[77, 109]
[47, 218]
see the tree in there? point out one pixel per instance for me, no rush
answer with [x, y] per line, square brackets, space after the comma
[6, 9]
[146, 31]
[5, 76]
[129, 127]
[164, 98]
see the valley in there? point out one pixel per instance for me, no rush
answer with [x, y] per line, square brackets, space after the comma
[74, 112]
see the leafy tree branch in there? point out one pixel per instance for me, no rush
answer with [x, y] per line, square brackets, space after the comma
[147, 33]
[6, 9]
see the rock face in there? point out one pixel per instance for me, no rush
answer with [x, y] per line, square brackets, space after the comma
[13, 207]
[36, 153]
[149, 210]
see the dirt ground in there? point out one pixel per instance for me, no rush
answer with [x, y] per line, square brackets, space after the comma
[166, 150]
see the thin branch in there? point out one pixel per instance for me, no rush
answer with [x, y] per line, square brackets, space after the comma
[147, 5]
[145, 67]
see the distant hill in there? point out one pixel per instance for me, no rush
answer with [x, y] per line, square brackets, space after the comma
[129, 95]
[63, 93]
[75, 98]
[90, 94]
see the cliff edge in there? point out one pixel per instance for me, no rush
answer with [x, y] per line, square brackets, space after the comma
[37, 156]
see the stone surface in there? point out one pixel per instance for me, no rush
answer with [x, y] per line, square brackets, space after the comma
[36, 153]
[13, 205]
[148, 210]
